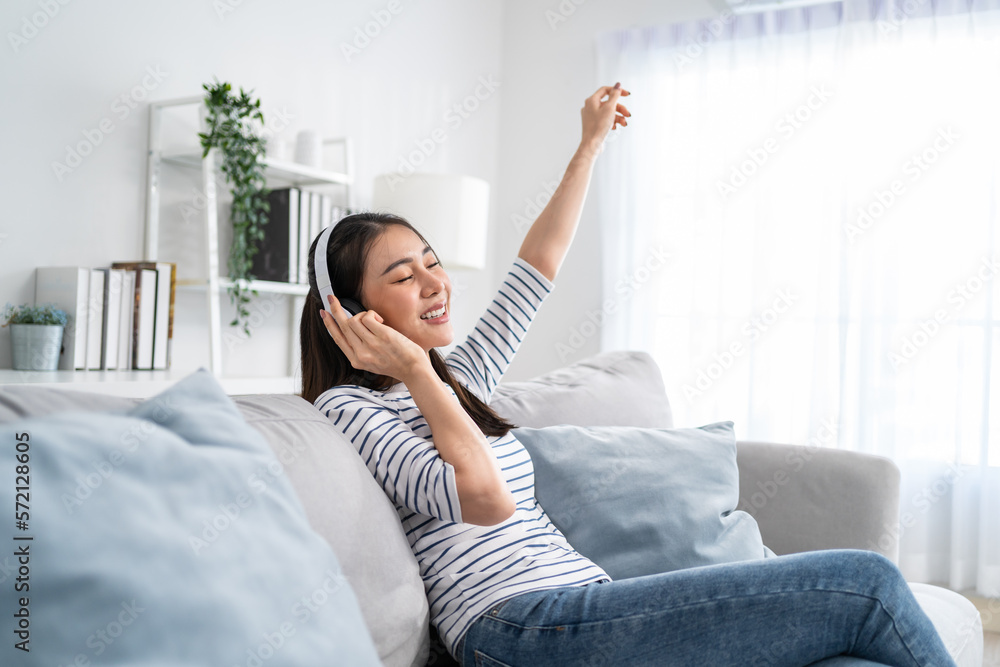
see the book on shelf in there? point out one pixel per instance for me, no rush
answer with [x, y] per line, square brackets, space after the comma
[153, 313]
[325, 214]
[68, 288]
[277, 255]
[301, 274]
[125, 324]
[95, 319]
[111, 321]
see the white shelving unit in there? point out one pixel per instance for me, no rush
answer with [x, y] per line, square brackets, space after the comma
[137, 384]
[278, 174]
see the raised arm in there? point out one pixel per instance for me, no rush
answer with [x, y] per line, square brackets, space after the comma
[550, 236]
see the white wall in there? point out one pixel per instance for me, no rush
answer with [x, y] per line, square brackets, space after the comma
[62, 80]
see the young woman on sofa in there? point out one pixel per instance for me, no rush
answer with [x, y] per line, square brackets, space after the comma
[503, 584]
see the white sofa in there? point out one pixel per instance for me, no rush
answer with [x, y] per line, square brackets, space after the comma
[836, 499]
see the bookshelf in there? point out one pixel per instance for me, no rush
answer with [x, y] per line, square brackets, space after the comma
[278, 174]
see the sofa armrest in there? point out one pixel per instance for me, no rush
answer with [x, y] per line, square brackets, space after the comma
[809, 498]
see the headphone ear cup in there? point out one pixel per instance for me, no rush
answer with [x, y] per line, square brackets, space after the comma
[351, 306]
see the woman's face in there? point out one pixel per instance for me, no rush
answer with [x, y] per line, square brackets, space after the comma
[403, 280]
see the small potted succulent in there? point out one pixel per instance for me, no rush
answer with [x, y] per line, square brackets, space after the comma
[36, 334]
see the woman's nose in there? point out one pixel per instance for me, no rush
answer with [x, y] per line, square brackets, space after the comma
[433, 285]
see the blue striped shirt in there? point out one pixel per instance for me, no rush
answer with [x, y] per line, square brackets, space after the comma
[466, 569]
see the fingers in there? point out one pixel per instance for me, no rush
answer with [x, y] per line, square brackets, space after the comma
[597, 99]
[608, 91]
[339, 326]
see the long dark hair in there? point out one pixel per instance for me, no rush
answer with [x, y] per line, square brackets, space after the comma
[324, 364]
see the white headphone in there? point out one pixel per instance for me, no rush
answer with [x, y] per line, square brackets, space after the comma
[350, 306]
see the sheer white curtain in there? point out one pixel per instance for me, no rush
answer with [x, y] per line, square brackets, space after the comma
[824, 184]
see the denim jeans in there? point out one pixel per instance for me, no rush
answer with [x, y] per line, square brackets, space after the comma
[789, 611]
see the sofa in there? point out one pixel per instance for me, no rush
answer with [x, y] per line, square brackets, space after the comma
[803, 497]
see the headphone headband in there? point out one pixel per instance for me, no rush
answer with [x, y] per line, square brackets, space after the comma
[323, 282]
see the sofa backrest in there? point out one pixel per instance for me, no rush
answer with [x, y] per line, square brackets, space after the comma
[617, 388]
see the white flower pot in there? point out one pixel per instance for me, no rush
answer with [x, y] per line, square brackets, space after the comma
[36, 347]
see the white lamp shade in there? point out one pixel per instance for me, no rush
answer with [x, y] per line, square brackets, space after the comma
[451, 211]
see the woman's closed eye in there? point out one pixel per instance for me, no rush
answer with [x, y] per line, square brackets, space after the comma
[408, 277]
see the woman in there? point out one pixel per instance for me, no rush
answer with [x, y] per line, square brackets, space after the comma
[503, 584]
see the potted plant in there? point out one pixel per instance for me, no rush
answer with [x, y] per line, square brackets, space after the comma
[231, 130]
[36, 334]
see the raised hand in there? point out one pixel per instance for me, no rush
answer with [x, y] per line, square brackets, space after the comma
[600, 117]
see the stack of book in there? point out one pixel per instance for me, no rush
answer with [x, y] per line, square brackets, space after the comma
[297, 217]
[119, 317]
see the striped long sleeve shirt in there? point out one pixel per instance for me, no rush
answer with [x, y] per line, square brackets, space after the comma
[466, 568]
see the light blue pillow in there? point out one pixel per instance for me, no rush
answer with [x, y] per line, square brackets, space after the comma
[166, 535]
[639, 501]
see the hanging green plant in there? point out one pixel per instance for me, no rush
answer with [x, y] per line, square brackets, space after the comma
[231, 130]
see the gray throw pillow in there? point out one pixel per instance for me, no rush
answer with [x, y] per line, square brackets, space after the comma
[167, 534]
[639, 501]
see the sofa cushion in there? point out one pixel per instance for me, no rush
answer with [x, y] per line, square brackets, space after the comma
[167, 531]
[342, 501]
[956, 620]
[347, 507]
[639, 501]
[618, 388]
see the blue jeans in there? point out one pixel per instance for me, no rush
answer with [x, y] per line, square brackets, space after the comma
[792, 610]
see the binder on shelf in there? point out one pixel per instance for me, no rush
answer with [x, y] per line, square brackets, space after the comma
[153, 313]
[278, 252]
[111, 321]
[68, 288]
